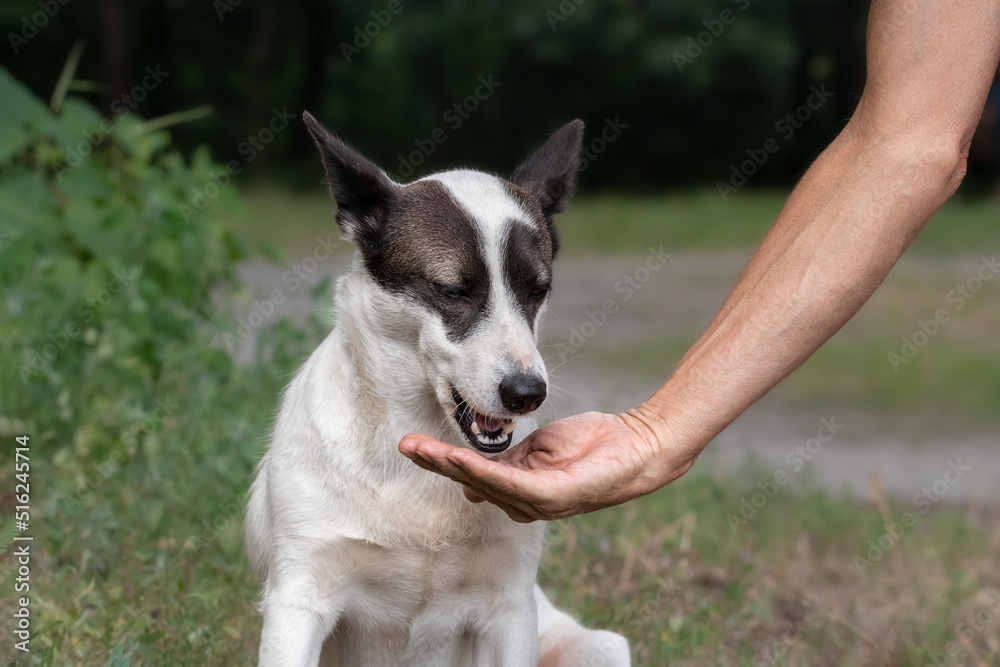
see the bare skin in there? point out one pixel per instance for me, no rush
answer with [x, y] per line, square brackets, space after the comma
[857, 209]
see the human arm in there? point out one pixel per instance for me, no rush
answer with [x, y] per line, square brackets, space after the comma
[856, 210]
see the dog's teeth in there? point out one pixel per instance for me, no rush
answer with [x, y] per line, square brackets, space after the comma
[474, 428]
[508, 427]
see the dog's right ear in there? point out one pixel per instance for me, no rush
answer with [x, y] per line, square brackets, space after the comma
[363, 192]
[549, 172]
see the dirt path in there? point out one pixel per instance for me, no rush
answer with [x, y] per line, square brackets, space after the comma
[624, 302]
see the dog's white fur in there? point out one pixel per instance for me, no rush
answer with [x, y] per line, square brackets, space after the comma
[368, 560]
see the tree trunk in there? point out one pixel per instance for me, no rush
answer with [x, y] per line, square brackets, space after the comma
[114, 44]
[259, 61]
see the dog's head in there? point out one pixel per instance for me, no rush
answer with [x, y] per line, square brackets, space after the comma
[461, 265]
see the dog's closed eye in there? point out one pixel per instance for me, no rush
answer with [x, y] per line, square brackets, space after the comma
[453, 292]
[539, 292]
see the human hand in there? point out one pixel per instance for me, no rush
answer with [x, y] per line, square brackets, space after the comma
[572, 466]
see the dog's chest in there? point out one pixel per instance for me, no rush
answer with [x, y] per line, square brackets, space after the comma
[395, 586]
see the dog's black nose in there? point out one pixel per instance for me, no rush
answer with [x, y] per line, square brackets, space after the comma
[522, 392]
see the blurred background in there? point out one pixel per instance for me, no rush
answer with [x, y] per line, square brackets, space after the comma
[167, 256]
[384, 86]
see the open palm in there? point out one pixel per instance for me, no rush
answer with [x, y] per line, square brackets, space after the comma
[571, 466]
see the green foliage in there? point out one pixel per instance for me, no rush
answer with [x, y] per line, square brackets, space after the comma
[692, 108]
[144, 431]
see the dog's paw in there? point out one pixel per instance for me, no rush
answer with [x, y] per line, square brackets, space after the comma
[592, 648]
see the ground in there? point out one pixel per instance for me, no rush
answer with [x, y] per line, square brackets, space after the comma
[609, 345]
[728, 566]
[788, 543]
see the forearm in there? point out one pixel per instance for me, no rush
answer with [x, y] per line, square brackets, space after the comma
[846, 224]
[839, 234]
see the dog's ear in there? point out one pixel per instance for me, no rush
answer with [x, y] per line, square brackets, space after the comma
[362, 191]
[549, 173]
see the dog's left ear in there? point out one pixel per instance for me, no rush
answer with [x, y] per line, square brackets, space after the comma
[362, 191]
[549, 173]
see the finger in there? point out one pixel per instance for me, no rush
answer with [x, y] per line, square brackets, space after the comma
[430, 466]
[478, 496]
[503, 479]
[516, 506]
[513, 512]
[471, 495]
[409, 444]
[438, 457]
[425, 451]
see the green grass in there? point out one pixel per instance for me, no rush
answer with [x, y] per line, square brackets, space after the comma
[667, 571]
[670, 572]
[944, 376]
[698, 220]
[701, 220]
[147, 559]
[609, 223]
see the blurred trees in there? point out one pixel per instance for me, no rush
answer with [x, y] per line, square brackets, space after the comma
[694, 83]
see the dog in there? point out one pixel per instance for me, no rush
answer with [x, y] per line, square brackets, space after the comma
[367, 560]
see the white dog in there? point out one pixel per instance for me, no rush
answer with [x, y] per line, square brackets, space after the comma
[366, 559]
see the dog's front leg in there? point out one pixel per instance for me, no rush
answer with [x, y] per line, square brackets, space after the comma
[510, 638]
[294, 631]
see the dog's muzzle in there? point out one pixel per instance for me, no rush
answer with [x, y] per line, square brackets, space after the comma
[484, 432]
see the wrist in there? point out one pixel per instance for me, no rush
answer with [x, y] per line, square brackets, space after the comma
[668, 451]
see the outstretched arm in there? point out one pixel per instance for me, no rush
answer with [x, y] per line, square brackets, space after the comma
[856, 210]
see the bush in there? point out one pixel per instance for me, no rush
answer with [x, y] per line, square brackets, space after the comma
[143, 430]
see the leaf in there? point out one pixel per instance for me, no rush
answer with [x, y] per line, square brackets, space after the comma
[151, 638]
[22, 197]
[22, 116]
[80, 130]
[117, 658]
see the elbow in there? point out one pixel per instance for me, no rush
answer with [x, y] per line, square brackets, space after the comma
[940, 163]
[927, 166]
[928, 160]
[933, 170]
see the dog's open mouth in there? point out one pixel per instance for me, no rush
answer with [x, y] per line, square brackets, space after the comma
[484, 432]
